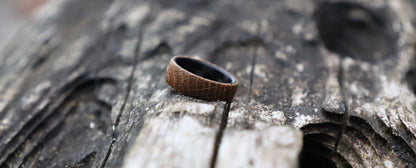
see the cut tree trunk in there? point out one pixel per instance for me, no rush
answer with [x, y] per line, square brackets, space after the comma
[323, 83]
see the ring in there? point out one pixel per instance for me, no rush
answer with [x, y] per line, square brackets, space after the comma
[200, 79]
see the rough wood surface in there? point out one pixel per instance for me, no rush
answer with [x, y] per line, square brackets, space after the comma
[82, 84]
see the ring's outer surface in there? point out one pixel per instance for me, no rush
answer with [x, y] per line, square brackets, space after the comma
[200, 79]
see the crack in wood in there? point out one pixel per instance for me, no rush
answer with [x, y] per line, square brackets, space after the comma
[46, 115]
[56, 129]
[32, 124]
[253, 43]
[324, 134]
[321, 143]
[344, 106]
[220, 133]
[362, 126]
[87, 161]
[397, 144]
[136, 59]
[253, 67]
[385, 140]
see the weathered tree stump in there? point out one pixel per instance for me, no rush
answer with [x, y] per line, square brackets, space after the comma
[323, 83]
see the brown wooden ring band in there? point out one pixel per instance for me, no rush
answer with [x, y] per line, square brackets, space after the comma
[201, 79]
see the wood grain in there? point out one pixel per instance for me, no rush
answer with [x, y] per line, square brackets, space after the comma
[83, 85]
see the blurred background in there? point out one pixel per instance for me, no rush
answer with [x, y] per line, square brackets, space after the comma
[13, 13]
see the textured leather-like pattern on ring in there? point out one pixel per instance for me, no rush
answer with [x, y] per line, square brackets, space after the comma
[195, 86]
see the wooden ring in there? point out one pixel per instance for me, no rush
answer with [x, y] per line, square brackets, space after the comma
[201, 79]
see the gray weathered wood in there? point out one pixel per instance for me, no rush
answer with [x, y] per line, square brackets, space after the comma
[82, 84]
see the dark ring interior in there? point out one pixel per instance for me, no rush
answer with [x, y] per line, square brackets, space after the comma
[205, 70]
